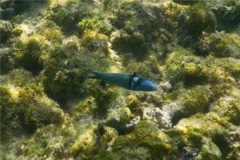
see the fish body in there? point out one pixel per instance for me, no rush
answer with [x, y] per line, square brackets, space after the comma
[131, 82]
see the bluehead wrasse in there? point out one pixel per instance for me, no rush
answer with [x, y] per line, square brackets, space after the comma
[128, 81]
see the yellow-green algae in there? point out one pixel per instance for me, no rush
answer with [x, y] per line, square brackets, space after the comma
[50, 111]
[220, 45]
[23, 104]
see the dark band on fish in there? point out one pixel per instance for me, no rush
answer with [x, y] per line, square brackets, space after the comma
[134, 82]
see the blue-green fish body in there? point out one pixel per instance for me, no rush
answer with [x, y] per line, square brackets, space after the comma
[131, 82]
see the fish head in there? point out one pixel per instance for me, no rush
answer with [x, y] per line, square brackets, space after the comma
[145, 85]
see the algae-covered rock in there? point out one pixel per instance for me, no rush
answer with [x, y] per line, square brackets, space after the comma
[84, 108]
[227, 13]
[193, 22]
[192, 70]
[105, 98]
[67, 66]
[138, 28]
[213, 134]
[184, 2]
[5, 30]
[160, 117]
[26, 108]
[85, 144]
[6, 60]
[123, 42]
[149, 68]
[50, 110]
[228, 107]
[196, 100]
[232, 66]
[146, 141]
[93, 41]
[69, 13]
[96, 22]
[53, 141]
[30, 54]
[120, 120]
[220, 45]
[187, 103]
[107, 137]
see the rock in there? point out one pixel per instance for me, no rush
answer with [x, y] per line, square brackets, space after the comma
[5, 30]
[158, 116]
[186, 2]
[6, 60]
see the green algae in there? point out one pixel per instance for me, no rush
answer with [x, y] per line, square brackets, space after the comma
[220, 45]
[193, 22]
[30, 54]
[22, 108]
[85, 143]
[95, 23]
[194, 70]
[50, 141]
[195, 100]
[52, 111]
[104, 98]
[232, 66]
[6, 31]
[210, 126]
[228, 108]
[69, 14]
[146, 137]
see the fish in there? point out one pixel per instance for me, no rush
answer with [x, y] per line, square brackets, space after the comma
[127, 81]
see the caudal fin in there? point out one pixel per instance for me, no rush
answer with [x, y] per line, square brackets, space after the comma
[91, 75]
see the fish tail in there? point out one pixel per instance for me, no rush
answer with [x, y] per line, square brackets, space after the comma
[91, 75]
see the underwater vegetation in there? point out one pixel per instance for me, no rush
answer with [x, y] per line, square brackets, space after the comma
[189, 49]
[219, 45]
[23, 104]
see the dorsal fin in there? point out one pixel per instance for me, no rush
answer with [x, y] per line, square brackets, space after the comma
[134, 73]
